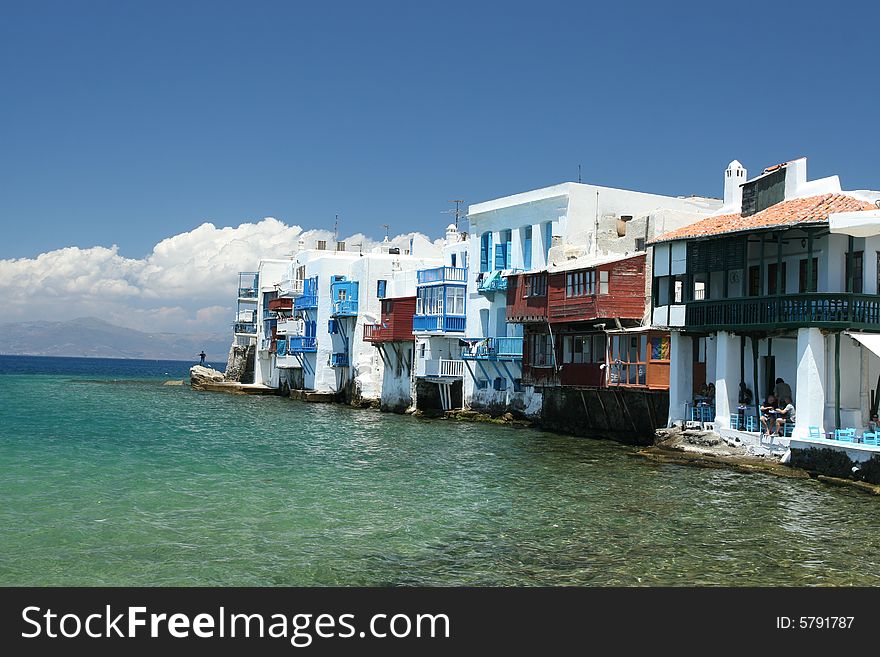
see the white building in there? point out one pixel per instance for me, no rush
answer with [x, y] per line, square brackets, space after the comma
[532, 231]
[335, 294]
[767, 289]
[439, 325]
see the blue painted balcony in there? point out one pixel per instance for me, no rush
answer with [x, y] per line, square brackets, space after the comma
[344, 297]
[494, 349]
[345, 308]
[309, 298]
[442, 275]
[302, 344]
[339, 360]
[438, 323]
[495, 281]
[306, 302]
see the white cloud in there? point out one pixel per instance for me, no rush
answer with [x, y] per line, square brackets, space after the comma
[186, 283]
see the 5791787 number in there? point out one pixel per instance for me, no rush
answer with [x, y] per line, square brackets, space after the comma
[814, 622]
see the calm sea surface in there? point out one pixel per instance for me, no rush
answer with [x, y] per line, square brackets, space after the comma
[107, 477]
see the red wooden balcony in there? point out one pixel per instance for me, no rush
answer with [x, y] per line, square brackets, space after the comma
[396, 322]
[282, 303]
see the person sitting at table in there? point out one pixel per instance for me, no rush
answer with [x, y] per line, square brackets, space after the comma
[785, 414]
[768, 413]
[745, 395]
[710, 393]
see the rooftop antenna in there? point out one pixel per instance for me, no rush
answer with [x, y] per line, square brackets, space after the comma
[336, 229]
[457, 212]
[579, 173]
[386, 227]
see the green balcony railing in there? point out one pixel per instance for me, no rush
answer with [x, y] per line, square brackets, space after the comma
[835, 310]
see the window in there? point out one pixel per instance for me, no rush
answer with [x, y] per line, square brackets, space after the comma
[772, 270]
[640, 244]
[802, 276]
[578, 349]
[540, 350]
[678, 291]
[381, 286]
[527, 247]
[629, 359]
[580, 283]
[422, 351]
[500, 383]
[535, 285]
[699, 290]
[754, 281]
[660, 347]
[857, 283]
[604, 276]
[430, 300]
[482, 384]
[485, 251]
[517, 385]
[452, 259]
[455, 300]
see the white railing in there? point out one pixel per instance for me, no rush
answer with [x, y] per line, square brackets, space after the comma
[445, 367]
[453, 368]
[290, 326]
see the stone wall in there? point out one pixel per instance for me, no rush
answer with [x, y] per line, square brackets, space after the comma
[628, 415]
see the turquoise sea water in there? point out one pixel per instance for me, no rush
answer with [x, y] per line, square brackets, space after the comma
[108, 477]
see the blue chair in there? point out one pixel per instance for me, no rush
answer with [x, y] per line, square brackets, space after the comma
[845, 435]
[734, 421]
[787, 429]
[869, 438]
[815, 433]
[751, 423]
[695, 414]
[707, 413]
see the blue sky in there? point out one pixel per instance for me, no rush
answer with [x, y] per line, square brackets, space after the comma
[124, 123]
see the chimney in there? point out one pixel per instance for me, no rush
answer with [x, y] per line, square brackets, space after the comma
[734, 177]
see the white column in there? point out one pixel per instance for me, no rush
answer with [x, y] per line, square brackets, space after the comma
[810, 402]
[681, 376]
[726, 377]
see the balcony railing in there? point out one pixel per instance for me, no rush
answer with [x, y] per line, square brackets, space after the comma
[247, 328]
[306, 302]
[442, 275]
[442, 367]
[339, 360]
[302, 344]
[247, 293]
[376, 333]
[438, 323]
[345, 308]
[289, 326]
[494, 349]
[840, 310]
[495, 281]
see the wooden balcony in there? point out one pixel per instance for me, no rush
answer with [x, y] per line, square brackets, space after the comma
[820, 310]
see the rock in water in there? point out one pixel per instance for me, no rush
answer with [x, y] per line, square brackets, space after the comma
[199, 375]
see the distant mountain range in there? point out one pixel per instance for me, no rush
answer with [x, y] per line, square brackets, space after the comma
[95, 338]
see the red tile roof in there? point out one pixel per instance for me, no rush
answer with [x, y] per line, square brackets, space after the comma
[812, 209]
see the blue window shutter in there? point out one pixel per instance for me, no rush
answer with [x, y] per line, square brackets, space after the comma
[527, 253]
[509, 255]
[548, 236]
[380, 289]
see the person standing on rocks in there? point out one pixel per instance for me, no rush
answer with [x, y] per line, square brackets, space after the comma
[202, 357]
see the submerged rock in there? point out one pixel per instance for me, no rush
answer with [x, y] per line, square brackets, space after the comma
[199, 375]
